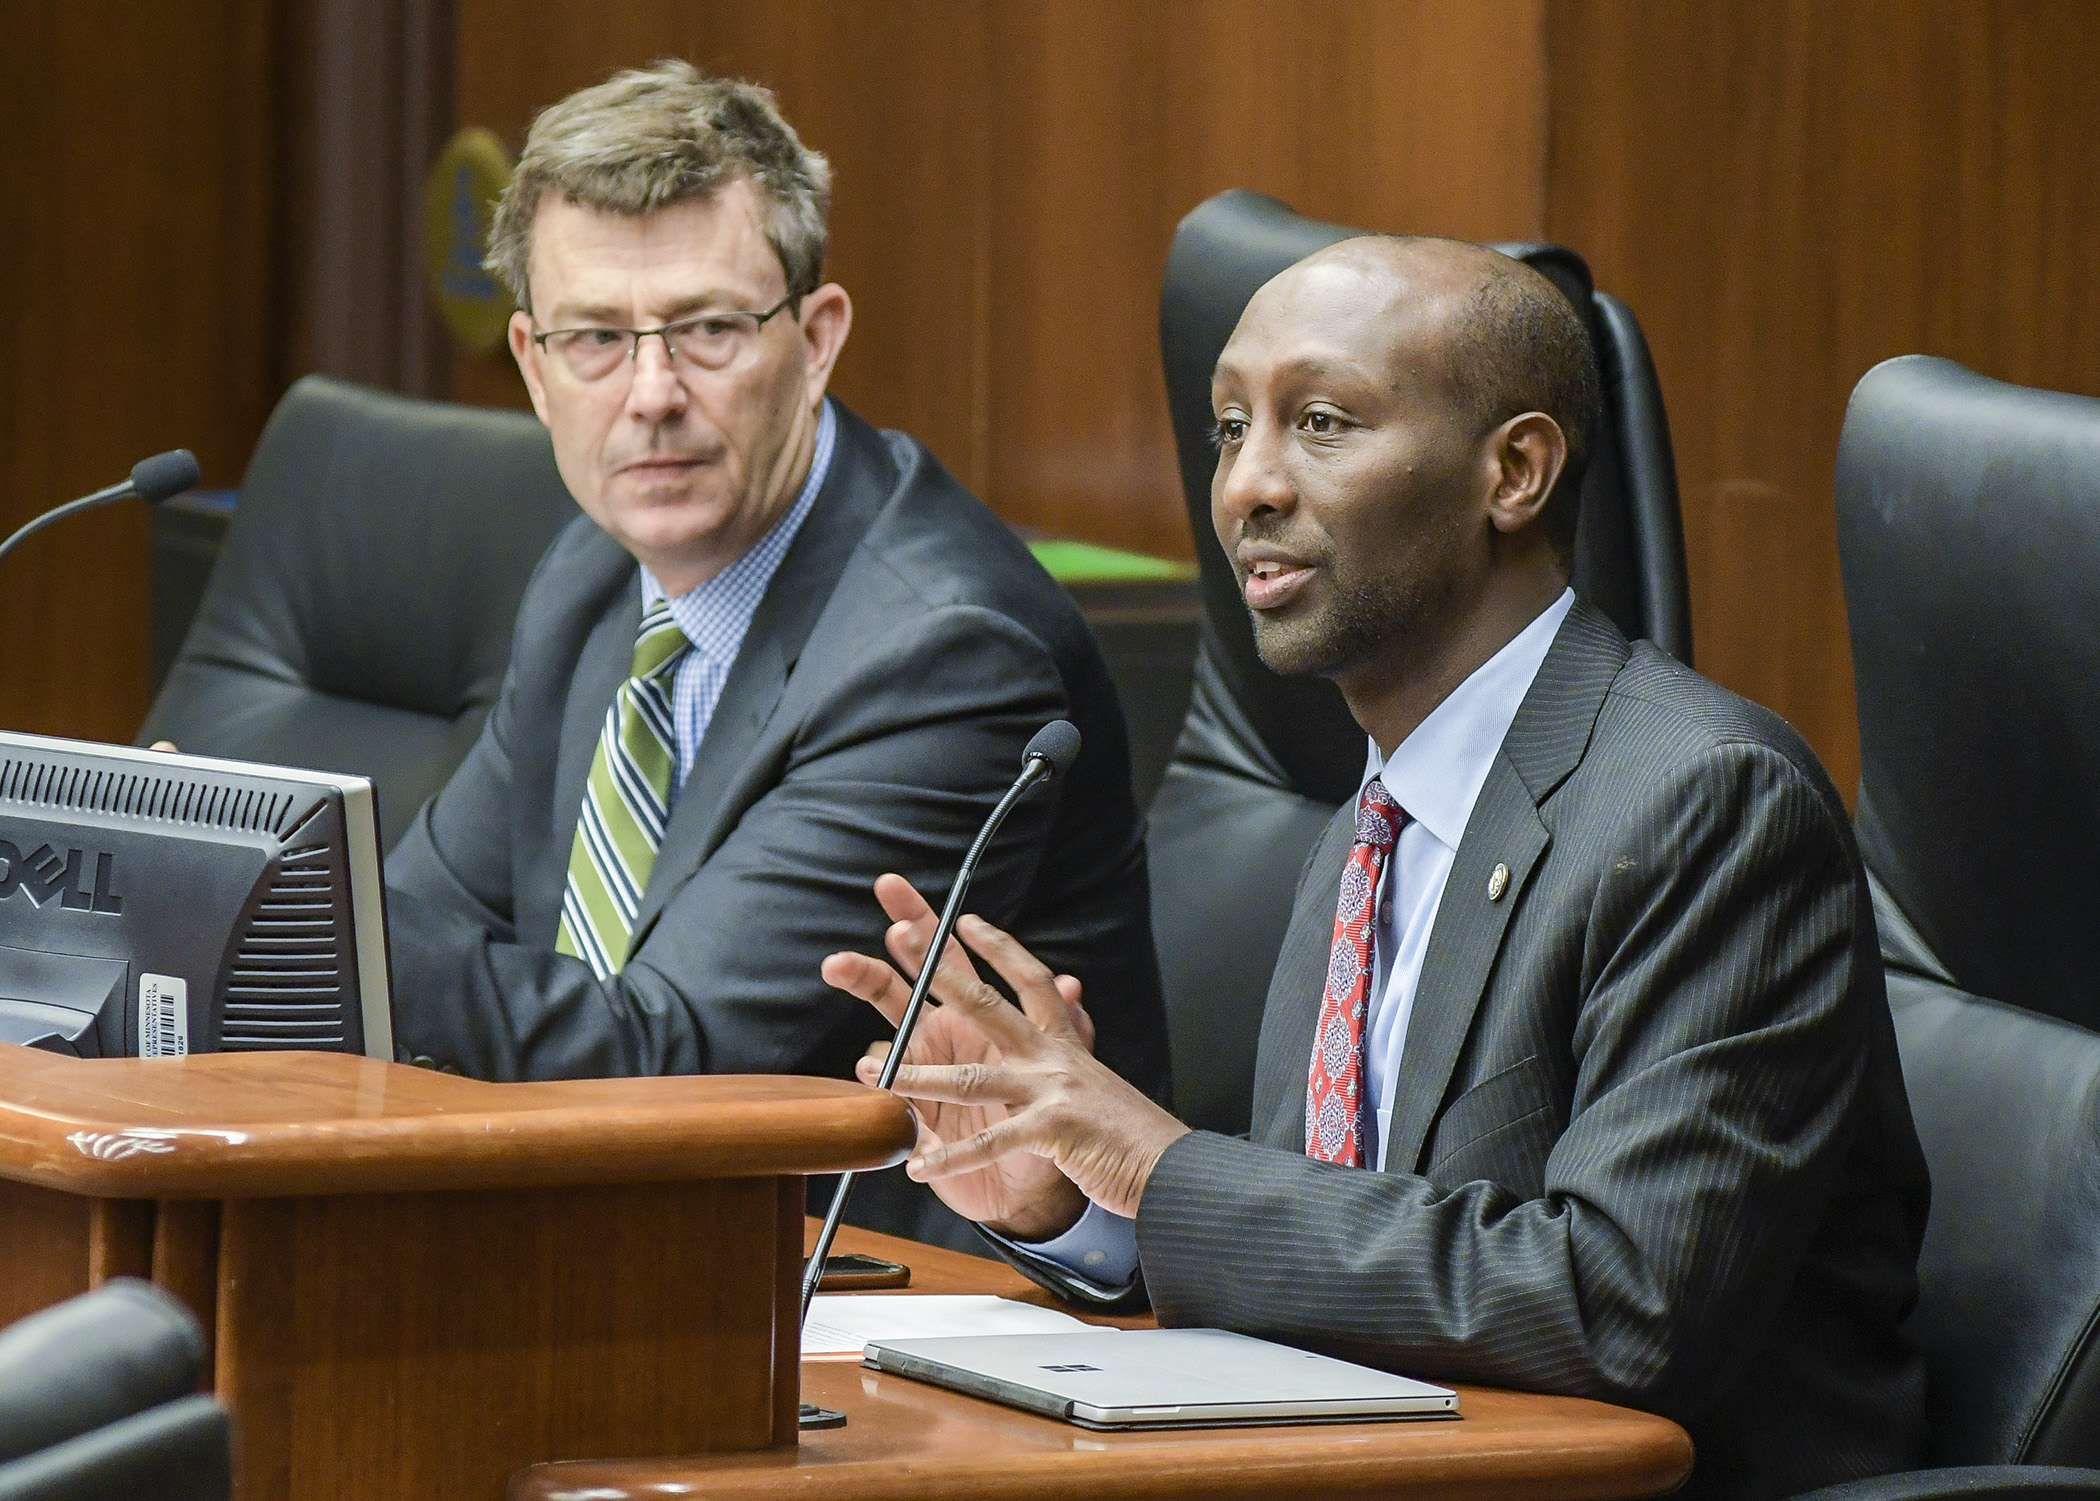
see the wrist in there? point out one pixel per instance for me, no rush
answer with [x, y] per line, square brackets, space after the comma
[1044, 1218]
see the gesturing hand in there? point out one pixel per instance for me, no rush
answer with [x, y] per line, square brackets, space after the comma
[1019, 1120]
[1024, 1196]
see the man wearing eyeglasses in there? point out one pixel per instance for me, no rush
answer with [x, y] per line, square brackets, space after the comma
[780, 654]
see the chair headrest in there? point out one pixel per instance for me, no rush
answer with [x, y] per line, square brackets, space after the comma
[360, 509]
[1969, 531]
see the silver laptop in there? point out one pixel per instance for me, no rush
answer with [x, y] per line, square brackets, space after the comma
[1160, 1378]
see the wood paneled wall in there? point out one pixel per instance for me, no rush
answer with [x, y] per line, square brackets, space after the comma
[136, 185]
[1008, 177]
[1785, 191]
[1787, 194]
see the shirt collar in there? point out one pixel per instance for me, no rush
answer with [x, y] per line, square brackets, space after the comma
[1437, 772]
[739, 587]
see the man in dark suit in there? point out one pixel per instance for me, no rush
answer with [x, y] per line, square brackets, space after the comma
[780, 653]
[1587, 974]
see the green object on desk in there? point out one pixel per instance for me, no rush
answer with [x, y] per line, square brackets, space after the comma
[1084, 563]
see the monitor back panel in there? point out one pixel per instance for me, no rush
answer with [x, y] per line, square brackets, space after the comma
[154, 904]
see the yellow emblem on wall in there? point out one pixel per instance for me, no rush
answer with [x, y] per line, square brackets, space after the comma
[459, 200]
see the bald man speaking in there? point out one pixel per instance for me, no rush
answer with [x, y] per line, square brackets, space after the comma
[1576, 1073]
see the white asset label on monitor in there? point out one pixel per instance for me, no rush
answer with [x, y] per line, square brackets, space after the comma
[164, 1016]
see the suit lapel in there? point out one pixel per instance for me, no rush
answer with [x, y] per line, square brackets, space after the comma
[1503, 830]
[861, 481]
[1545, 743]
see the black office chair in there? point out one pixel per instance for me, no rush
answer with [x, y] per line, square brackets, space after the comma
[1263, 761]
[1969, 531]
[98, 1402]
[359, 616]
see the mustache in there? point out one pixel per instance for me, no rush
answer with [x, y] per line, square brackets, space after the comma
[1275, 531]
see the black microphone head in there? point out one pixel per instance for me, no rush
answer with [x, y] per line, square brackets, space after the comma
[164, 475]
[1056, 743]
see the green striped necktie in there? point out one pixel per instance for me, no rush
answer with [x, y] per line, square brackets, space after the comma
[626, 804]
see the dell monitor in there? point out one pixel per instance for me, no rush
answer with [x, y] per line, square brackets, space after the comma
[154, 904]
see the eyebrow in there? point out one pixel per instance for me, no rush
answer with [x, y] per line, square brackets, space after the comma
[569, 314]
[1301, 367]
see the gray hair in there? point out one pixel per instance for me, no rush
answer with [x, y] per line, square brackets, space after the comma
[650, 137]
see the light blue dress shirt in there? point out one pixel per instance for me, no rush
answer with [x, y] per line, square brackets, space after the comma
[1436, 774]
[717, 615]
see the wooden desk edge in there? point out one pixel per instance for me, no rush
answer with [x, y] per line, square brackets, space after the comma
[1338, 1463]
[114, 1129]
[1601, 1451]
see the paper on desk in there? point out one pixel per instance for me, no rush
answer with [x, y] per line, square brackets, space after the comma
[841, 1323]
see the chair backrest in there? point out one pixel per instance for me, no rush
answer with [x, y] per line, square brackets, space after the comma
[1264, 760]
[98, 1402]
[1969, 532]
[359, 616]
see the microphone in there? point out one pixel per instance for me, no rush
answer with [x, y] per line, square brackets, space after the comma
[1050, 754]
[152, 480]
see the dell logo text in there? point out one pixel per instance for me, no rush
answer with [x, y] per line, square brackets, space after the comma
[44, 874]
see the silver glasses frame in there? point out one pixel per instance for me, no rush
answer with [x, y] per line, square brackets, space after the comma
[665, 331]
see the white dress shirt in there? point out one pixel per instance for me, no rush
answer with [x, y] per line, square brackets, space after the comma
[1436, 774]
[716, 615]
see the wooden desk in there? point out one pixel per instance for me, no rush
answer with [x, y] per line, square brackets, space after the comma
[905, 1441]
[417, 1283]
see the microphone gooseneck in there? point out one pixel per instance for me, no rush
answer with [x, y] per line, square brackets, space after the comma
[152, 480]
[1050, 754]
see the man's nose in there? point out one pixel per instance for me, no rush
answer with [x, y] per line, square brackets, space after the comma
[654, 391]
[1252, 477]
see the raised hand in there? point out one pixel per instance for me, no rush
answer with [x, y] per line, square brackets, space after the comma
[1024, 1196]
[1019, 1121]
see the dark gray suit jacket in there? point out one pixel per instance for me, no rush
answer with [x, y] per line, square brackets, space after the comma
[1650, 1142]
[903, 655]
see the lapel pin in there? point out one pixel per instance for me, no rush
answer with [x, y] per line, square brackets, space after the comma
[1498, 882]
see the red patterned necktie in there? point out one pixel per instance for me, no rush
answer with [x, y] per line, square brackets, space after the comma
[1334, 1087]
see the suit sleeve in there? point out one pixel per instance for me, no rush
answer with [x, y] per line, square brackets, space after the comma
[1719, 1057]
[894, 770]
[467, 881]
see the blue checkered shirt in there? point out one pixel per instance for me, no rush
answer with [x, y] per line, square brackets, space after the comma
[716, 615]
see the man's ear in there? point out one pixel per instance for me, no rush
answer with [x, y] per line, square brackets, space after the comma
[826, 319]
[527, 354]
[1527, 453]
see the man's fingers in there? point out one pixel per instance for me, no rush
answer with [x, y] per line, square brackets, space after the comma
[971, 1153]
[926, 1140]
[868, 1067]
[1034, 985]
[912, 921]
[869, 979]
[907, 940]
[1082, 1020]
[955, 983]
[900, 899]
[961, 1084]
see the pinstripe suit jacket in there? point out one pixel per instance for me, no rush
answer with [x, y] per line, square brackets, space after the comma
[1650, 1141]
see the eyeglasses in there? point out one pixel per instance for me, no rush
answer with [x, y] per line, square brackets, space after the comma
[710, 341]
